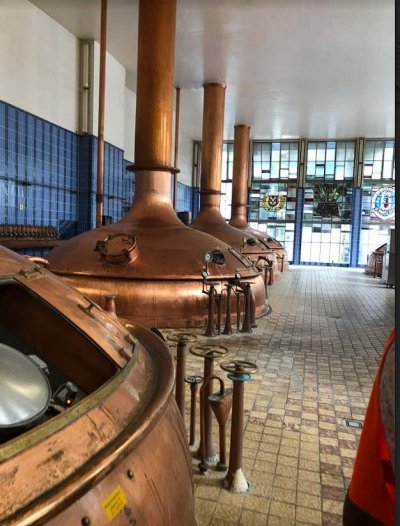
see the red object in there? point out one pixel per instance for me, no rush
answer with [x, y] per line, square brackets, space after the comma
[370, 497]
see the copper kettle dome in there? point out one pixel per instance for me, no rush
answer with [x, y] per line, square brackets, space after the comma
[150, 260]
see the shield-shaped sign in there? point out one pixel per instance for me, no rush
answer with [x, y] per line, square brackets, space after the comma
[273, 202]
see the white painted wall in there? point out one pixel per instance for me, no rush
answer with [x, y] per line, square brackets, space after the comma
[39, 72]
[38, 63]
[185, 158]
[129, 135]
[188, 132]
[114, 115]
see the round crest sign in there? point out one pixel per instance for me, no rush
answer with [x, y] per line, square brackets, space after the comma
[273, 202]
[383, 204]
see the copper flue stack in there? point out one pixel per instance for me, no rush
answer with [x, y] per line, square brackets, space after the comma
[150, 260]
[210, 219]
[239, 196]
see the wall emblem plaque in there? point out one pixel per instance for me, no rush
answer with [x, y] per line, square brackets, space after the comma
[383, 203]
[326, 196]
[273, 202]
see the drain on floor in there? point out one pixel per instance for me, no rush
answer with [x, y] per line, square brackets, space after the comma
[353, 423]
[335, 317]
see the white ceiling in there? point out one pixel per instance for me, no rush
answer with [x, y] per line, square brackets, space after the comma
[293, 68]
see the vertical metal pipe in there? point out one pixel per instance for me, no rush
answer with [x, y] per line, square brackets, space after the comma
[236, 449]
[246, 327]
[212, 144]
[210, 329]
[180, 376]
[206, 413]
[176, 143]
[155, 83]
[193, 391]
[228, 320]
[240, 176]
[100, 132]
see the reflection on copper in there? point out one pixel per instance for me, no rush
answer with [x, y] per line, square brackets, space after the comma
[159, 282]
[176, 144]
[239, 198]
[210, 219]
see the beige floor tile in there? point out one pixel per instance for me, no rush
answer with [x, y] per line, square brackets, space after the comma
[282, 509]
[204, 511]
[308, 516]
[309, 454]
[307, 486]
[329, 480]
[227, 513]
[330, 459]
[208, 492]
[252, 518]
[285, 482]
[332, 506]
[273, 520]
[288, 461]
[308, 501]
[289, 451]
[286, 471]
[327, 441]
[256, 503]
[310, 465]
[348, 453]
[283, 494]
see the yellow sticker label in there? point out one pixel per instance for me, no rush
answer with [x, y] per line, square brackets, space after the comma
[114, 503]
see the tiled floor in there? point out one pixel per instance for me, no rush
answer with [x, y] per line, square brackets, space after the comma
[317, 355]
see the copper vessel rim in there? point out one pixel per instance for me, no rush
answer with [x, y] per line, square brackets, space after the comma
[152, 168]
[31, 437]
[219, 84]
[135, 431]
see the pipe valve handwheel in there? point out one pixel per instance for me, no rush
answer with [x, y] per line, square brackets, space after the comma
[209, 351]
[187, 337]
[238, 368]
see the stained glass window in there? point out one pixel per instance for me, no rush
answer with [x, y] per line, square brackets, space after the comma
[327, 202]
[378, 199]
[273, 190]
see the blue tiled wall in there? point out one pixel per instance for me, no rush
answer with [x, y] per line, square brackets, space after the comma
[185, 198]
[48, 176]
[38, 171]
[118, 183]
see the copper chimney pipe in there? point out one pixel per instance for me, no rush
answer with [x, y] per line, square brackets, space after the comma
[211, 153]
[239, 197]
[100, 132]
[239, 177]
[150, 260]
[154, 90]
[210, 219]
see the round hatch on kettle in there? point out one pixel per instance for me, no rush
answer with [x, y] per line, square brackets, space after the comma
[25, 391]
